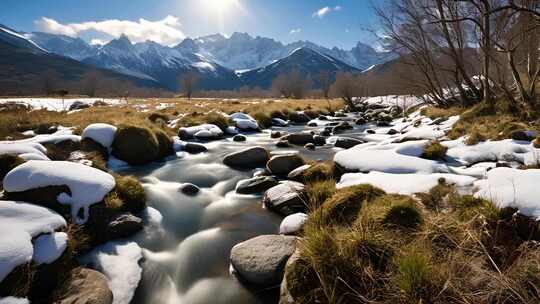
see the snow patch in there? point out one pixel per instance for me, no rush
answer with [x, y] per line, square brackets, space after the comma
[101, 133]
[49, 247]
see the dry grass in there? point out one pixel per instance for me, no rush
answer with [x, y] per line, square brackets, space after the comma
[462, 250]
[434, 151]
[435, 112]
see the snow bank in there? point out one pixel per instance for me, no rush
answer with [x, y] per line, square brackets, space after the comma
[503, 150]
[17, 148]
[507, 187]
[406, 184]
[101, 133]
[388, 158]
[119, 261]
[13, 300]
[57, 104]
[87, 185]
[49, 247]
[20, 223]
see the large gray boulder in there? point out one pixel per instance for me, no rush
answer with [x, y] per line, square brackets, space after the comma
[285, 198]
[261, 260]
[85, 286]
[248, 158]
[300, 139]
[284, 164]
[254, 185]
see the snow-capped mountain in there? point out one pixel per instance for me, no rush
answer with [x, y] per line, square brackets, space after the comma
[305, 60]
[242, 51]
[20, 41]
[74, 48]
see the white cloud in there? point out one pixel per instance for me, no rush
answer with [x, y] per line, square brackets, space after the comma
[166, 31]
[295, 31]
[326, 10]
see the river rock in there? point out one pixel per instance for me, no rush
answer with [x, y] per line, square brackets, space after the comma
[370, 131]
[300, 139]
[275, 134]
[285, 198]
[261, 260]
[194, 148]
[342, 127]
[523, 135]
[298, 173]
[279, 122]
[85, 286]
[360, 121]
[254, 185]
[282, 144]
[239, 138]
[123, 225]
[189, 189]
[310, 146]
[347, 142]
[248, 158]
[284, 164]
[297, 117]
[319, 140]
[293, 223]
[392, 132]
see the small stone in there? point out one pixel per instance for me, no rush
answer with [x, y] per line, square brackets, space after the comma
[248, 158]
[282, 144]
[239, 138]
[347, 142]
[194, 148]
[300, 139]
[319, 140]
[284, 164]
[275, 134]
[310, 146]
[254, 185]
[189, 189]
[369, 131]
[392, 132]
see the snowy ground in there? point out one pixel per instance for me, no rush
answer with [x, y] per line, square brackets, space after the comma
[57, 104]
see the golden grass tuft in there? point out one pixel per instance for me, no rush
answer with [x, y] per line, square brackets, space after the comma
[434, 151]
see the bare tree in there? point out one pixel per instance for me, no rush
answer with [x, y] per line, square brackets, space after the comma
[347, 87]
[292, 84]
[188, 83]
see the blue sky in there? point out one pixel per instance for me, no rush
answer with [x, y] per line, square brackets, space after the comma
[339, 23]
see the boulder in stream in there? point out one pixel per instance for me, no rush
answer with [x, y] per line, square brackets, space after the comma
[284, 164]
[285, 198]
[300, 138]
[254, 185]
[261, 261]
[248, 158]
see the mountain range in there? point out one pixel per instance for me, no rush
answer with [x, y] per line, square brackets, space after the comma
[222, 63]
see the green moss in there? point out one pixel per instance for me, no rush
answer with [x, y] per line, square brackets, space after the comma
[415, 276]
[343, 207]
[165, 143]
[434, 151]
[135, 145]
[8, 162]
[130, 191]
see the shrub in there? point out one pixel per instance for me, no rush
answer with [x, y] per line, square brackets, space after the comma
[7, 163]
[131, 192]
[415, 277]
[263, 119]
[135, 145]
[165, 143]
[403, 216]
[217, 119]
[434, 151]
[343, 207]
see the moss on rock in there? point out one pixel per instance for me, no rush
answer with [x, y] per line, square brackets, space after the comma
[135, 145]
[343, 207]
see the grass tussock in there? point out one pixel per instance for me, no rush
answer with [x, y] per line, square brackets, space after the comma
[319, 191]
[135, 145]
[443, 248]
[434, 151]
[130, 191]
[445, 113]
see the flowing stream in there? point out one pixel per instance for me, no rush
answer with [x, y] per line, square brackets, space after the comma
[186, 259]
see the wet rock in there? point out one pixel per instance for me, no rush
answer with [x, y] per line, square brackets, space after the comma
[299, 118]
[392, 132]
[78, 105]
[189, 189]
[310, 146]
[135, 145]
[248, 158]
[523, 135]
[312, 124]
[282, 144]
[300, 139]
[347, 142]
[123, 225]
[292, 224]
[285, 198]
[284, 164]
[275, 134]
[342, 127]
[85, 286]
[382, 123]
[326, 132]
[194, 148]
[438, 121]
[360, 121]
[279, 122]
[257, 184]
[239, 138]
[298, 173]
[369, 131]
[261, 260]
[319, 140]
[322, 117]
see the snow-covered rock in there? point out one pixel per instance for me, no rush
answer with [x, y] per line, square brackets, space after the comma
[18, 148]
[20, 222]
[49, 247]
[406, 184]
[119, 261]
[507, 187]
[87, 185]
[279, 122]
[503, 150]
[58, 104]
[101, 133]
[244, 121]
[204, 131]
